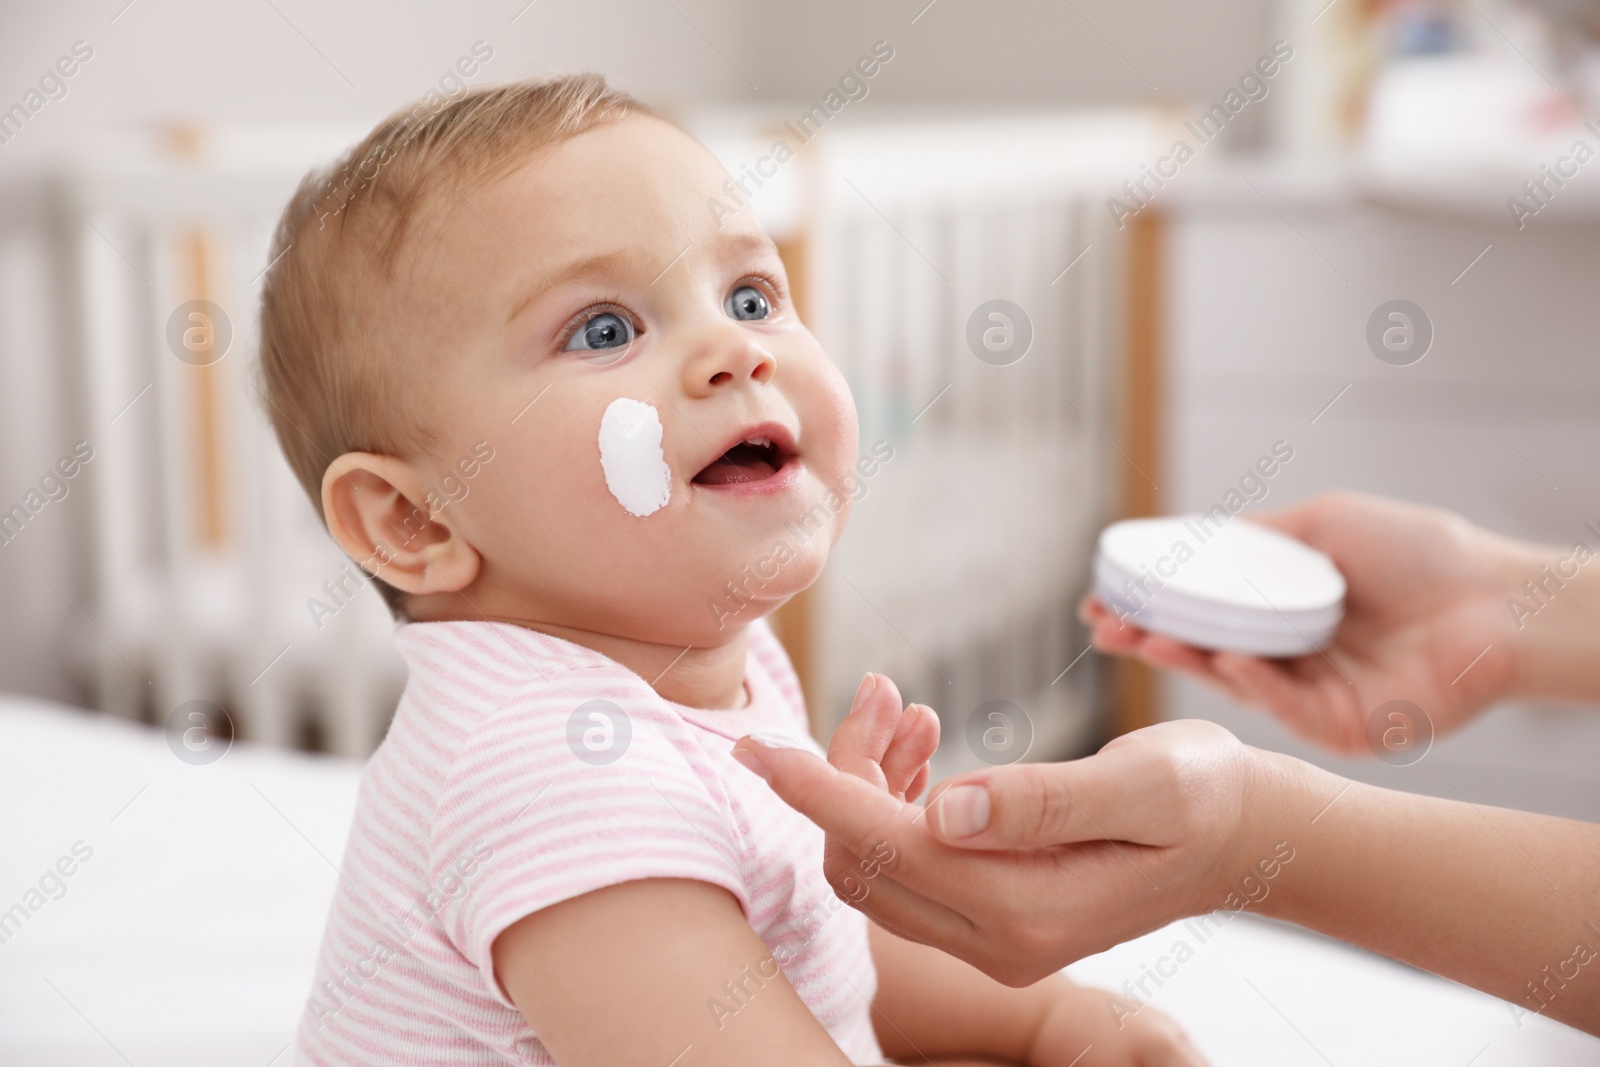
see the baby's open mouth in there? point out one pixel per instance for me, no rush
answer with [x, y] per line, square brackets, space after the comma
[753, 459]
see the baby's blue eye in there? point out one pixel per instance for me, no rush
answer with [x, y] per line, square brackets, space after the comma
[605, 330]
[748, 302]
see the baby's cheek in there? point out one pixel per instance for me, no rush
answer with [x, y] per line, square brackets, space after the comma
[542, 469]
[834, 421]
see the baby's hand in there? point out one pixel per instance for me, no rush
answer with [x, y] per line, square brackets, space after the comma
[882, 744]
[1090, 1027]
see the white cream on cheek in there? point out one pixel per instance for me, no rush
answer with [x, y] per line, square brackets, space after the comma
[630, 454]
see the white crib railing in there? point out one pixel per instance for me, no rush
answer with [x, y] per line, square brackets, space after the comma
[203, 551]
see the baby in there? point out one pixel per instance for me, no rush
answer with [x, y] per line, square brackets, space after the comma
[555, 405]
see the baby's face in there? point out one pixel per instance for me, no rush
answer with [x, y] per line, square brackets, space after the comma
[596, 272]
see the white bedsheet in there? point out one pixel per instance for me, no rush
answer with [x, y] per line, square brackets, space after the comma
[1260, 992]
[188, 938]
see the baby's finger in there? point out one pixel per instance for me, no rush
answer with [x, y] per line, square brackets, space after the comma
[919, 782]
[860, 817]
[915, 739]
[862, 738]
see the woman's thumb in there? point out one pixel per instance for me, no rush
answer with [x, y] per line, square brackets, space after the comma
[1026, 806]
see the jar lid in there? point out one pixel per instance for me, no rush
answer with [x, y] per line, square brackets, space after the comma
[1220, 584]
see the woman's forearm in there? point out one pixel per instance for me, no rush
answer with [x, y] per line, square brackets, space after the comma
[1507, 902]
[1553, 604]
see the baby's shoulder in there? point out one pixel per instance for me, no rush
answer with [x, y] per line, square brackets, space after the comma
[591, 735]
[584, 711]
[486, 692]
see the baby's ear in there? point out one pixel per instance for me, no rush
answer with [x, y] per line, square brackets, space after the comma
[381, 512]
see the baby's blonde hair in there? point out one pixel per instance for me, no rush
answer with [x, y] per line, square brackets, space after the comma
[328, 331]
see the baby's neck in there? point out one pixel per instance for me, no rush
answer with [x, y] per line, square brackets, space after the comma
[710, 677]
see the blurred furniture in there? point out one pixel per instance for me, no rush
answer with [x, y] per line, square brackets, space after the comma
[204, 560]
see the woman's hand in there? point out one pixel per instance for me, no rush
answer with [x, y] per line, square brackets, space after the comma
[1425, 621]
[931, 1003]
[1055, 861]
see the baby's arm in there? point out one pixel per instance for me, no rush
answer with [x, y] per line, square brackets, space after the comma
[626, 974]
[932, 1005]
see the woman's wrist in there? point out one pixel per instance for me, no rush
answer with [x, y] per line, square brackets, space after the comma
[1552, 605]
[1284, 800]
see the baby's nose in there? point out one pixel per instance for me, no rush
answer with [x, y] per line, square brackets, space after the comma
[728, 362]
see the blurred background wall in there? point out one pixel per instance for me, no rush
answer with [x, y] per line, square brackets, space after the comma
[291, 60]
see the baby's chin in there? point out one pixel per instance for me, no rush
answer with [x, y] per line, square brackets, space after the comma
[730, 591]
[708, 622]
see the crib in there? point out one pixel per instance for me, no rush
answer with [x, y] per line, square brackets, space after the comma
[203, 574]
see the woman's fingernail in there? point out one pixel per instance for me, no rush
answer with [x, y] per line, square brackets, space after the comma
[778, 739]
[908, 719]
[868, 684]
[752, 762]
[963, 811]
